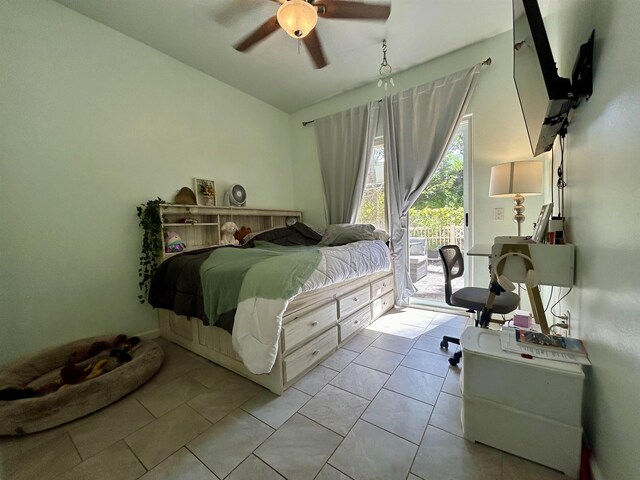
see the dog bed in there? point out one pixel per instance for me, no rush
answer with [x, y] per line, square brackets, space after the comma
[28, 415]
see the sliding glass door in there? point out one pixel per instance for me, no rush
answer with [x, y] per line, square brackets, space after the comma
[440, 216]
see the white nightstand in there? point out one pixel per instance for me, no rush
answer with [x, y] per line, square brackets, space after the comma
[528, 407]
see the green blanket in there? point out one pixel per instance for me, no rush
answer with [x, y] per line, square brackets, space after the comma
[231, 275]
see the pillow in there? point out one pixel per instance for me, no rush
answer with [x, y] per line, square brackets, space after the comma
[381, 235]
[341, 234]
[296, 234]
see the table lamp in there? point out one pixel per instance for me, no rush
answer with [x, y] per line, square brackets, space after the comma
[517, 180]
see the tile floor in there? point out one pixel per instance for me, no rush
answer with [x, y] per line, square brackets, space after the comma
[385, 406]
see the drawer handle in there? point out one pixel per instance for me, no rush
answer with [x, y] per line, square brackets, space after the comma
[384, 284]
[313, 324]
[356, 322]
[356, 299]
[315, 352]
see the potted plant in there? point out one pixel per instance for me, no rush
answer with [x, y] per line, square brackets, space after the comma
[151, 223]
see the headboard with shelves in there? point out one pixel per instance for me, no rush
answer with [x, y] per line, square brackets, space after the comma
[199, 226]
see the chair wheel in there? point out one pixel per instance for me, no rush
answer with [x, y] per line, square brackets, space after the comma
[455, 359]
[444, 344]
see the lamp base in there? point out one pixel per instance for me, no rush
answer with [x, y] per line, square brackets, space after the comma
[518, 210]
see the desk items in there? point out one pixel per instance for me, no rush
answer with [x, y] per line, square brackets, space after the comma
[540, 345]
[521, 319]
[527, 407]
[555, 232]
[500, 283]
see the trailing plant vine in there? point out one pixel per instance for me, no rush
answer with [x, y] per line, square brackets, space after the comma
[151, 223]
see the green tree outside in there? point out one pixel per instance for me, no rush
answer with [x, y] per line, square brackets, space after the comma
[438, 206]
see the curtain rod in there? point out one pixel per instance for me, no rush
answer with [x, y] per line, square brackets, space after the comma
[487, 62]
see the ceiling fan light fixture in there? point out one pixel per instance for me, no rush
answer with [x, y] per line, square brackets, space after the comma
[297, 18]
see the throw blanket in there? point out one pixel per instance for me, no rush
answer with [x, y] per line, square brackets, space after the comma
[259, 282]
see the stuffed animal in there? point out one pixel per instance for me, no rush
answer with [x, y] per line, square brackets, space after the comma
[227, 233]
[95, 348]
[240, 234]
[173, 242]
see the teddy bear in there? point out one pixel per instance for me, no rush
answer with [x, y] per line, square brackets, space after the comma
[227, 233]
[241, 233]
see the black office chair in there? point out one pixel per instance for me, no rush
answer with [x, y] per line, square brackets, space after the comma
[473, 299]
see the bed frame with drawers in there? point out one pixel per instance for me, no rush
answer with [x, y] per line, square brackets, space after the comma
[314, 325]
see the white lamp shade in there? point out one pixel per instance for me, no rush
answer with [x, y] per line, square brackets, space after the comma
[509, 179]
[297, 18]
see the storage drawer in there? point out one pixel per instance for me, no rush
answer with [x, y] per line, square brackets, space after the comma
[352, 301]
[306, 325]
[354, 323]
[181, 326]
[381, 286]
[310, 354]
[534, 437]
[381, 305]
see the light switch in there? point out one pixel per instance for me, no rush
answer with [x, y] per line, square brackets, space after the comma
[498, 214]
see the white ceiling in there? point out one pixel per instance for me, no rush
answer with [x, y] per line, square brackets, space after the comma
[201, 33]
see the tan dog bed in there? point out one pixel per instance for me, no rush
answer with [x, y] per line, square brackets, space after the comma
[28, 415]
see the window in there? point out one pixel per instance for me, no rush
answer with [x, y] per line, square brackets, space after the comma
[373, 207]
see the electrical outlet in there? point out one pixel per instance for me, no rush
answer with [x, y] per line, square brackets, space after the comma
[498, 214]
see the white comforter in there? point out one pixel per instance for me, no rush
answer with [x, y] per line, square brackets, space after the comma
[258, 321]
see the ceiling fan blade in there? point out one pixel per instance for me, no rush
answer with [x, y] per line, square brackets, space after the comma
[359, 10]
[312, 42]
[259, 34]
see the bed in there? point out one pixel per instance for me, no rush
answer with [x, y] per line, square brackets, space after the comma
[273, 342]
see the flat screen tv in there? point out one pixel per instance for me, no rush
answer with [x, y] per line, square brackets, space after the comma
[545, 97]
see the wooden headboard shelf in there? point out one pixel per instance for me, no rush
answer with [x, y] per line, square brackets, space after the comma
[203, 230]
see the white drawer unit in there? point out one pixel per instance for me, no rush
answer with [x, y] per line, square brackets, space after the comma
[310, 354]
[527, 407]
[298, 328]
[352, 301]
[381, 286]
[381, 305]
[353, 323]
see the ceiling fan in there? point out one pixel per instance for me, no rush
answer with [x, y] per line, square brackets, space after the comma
[299, 17]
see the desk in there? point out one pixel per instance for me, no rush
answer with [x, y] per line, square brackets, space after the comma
[531, 408]
[554, 265]
[480, 250]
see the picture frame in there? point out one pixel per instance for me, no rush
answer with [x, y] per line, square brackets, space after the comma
[205, 191]
[542, 222]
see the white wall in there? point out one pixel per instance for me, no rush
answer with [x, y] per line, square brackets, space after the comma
[93, 123]
[602, 194]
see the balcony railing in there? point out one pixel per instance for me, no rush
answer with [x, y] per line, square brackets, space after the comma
[449, 235]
